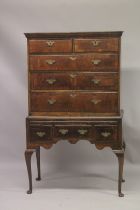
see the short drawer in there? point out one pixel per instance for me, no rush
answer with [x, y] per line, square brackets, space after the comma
[50, 46]
[52, 81]
[106, 133]
[83, 62]
[40, 133]
[68, 101]
[73, 132]
[96, 45]
[74, 80]
[97, 81]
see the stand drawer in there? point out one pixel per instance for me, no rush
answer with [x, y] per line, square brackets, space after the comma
[106, 133]
[73, 131]
[40, 134]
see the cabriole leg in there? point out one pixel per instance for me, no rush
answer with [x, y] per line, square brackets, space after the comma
[124, 147]
[120, 157]
[28, 155]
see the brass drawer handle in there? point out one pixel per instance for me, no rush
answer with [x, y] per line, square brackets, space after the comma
[63, 131]
[96, 61]
[73, 75]
[95, 101]
[50, 43]
[51, 101]
[40, 134]
[72, 58]
[95, 42]
[82, 131]
[50, 62]
[73, 95]
[50, 81]
[95, 81]
[105, 134]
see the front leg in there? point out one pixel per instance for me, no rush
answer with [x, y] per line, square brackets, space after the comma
[28, 155]
[120, 157]
[124, 147]
[38, 163]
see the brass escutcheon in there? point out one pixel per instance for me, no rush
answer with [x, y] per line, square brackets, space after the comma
[95, 101]
[95, 81]
[50, 43]
[63, 131]
[95, 42]
[73, 95]
[50, 62]
[40, 134]
[105, 134]
[95, 61]
[51, 81]
[51, 101]
[73, 58]
[73, 75]
[82, 131]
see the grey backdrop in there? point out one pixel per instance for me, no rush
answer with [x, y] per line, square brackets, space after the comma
[17, 17]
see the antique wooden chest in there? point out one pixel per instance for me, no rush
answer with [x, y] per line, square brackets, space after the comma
[74, 92]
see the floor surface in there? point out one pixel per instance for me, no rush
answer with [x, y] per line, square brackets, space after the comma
[94, 188]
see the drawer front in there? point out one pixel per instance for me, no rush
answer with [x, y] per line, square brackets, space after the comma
[96, 45]
[106, 133]
[74, 101]
[87, 62]
[51, 81]
[97, 81]
[74, 80]
[73, 132]
[50, 46]
[40, 134]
